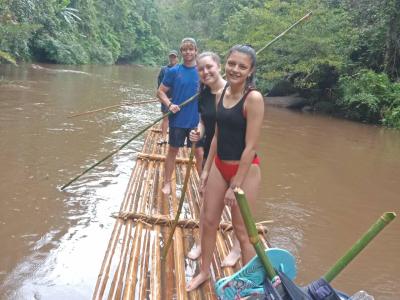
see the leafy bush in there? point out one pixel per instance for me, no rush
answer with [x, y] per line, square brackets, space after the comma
[391, 116]
[59, 50]
[370, 97]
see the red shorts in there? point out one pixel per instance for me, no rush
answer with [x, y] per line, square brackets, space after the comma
[229, 170]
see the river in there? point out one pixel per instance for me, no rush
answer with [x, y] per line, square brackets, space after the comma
[325, 181]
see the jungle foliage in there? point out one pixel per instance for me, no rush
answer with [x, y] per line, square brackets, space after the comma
[345, 59]
[80, 31]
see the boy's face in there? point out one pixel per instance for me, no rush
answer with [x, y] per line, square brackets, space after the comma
[189, 52]
[173, 60]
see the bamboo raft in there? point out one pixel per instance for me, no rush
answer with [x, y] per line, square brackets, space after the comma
[132, 267]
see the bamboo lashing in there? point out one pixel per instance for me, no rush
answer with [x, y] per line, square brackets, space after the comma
[179, 160]
[164, 220]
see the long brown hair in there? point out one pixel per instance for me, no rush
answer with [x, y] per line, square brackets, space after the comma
[250, 52]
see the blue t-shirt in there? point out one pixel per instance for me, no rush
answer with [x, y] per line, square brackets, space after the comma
[184, 83]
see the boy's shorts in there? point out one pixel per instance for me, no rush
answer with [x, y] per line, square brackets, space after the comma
[177, 137]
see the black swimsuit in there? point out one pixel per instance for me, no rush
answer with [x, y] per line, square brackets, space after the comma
[208, 112]
[232, 126]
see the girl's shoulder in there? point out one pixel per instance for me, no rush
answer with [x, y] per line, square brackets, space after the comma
[254, 101]
[254, 95]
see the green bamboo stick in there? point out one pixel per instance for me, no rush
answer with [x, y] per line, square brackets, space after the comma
[373, 231]
[253, 233]
[286, 31]
[126, 143]
[178, 212]
[109, 107]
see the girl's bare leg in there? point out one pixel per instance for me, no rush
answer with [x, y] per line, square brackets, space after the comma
[233, 256]
[195, 252]
[169, 168]
[250, 187]
[212, 211]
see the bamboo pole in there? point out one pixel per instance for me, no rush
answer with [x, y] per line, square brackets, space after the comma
[106, 265]
[118, 282]
[252, 232]
[122, 274]
[126, 143]
[155, 276]
[365, 239]
[286, 31]
[177, 233]
[131, 276]
[109, 107]
[166, 267]
[178, 212]
[147, 253]
[179, 267]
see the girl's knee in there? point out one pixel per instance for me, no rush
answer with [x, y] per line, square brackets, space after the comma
[210, 223]
[242, 236]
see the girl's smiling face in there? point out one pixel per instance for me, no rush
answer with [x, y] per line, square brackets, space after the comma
[209, 70]
[238, 67]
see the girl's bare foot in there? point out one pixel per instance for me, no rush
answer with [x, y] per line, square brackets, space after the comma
[197, 281]
[195, 252]
[232, 258]
[166, 190]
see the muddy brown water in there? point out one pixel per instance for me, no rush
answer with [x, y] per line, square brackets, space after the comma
[325, 181]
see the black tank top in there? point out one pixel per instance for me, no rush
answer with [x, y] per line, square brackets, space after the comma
[207, 110]
[232, 126]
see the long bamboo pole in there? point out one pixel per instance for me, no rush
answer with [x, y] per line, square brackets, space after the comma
[132, 275]
[252, 232]
[286, 31]
[168, 113]
[126, 143]
[109, 107]
[367, 237]
[178, 212]
[106, 266]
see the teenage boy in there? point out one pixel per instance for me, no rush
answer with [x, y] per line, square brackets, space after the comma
[183, 81]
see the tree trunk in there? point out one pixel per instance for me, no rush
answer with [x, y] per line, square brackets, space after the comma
[392, 49]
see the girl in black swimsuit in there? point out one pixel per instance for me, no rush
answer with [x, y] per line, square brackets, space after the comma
[245, 123]
[211, 82]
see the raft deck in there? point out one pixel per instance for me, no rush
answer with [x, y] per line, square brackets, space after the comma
[132, 267]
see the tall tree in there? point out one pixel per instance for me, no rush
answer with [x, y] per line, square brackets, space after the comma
[392, 49]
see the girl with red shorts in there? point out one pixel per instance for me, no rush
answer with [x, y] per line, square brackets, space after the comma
[232, 161]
